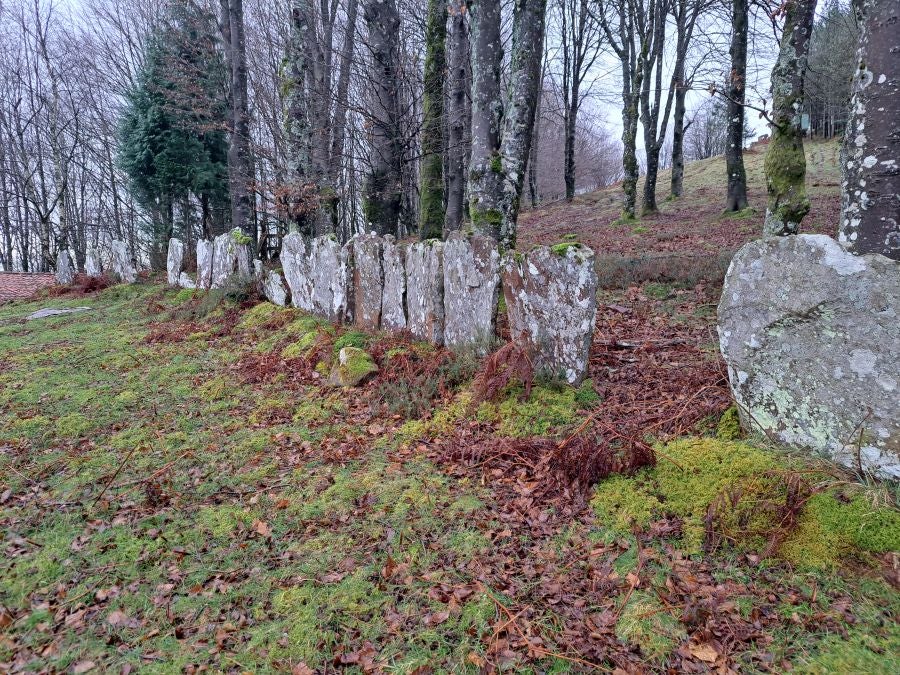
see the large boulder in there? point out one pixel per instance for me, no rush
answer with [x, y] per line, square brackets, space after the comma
[92, 266]
[120, 265]
[551, 302]
[471, 290]
[368, 281]
[811, 337]
[65, 271]
[231, 256]
[296, 264]
[174, 261]
[331, 277]
[393, 296]
[273, 288]
[425, 290]
[204, 263]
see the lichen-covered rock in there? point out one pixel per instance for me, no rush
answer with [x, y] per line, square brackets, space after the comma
[353, 366]
[393, 297]
[296, 264]
[174, 261]
[471, 290]
[65, 271]
[273, 288]
[204, 263]
[551, 301]
[368, 281]
[120, 265]
[331, 277]
[425, 290]
[185, 281]
[231, 255]
[811, 337]
[92, 266]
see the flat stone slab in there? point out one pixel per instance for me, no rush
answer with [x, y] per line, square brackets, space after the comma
[425, 290]
[471, 291]
[393, 296]
[52, 311]
[368, 281]
[811, 337]
[551, 302]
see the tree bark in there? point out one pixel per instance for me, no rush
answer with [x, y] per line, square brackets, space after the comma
[736, 199]
[382, 192]
[240, 161]
[870, 191]
[459, 115]
[686, 13]
[785, 163]
[431, 185]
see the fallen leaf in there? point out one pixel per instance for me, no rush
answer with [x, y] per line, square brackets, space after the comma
[704, 652]
[261, 528]
[117, 618]
[83, 667]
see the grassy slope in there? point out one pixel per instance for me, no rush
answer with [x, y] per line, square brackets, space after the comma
[165, 511]
[693, 224]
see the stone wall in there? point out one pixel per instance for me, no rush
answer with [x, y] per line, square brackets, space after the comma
[471, 291]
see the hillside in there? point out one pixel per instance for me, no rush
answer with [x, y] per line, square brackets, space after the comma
[693, 225]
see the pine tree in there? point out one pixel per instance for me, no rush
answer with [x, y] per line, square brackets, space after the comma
[173, 143]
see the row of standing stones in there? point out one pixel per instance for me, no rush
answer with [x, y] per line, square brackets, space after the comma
[810, 333]
[119, 264]
[446, 293]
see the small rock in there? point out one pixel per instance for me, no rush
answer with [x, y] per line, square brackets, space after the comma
[353, 367]
[185, 281]
[50, 311]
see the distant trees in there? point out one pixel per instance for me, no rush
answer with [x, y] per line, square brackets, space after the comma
[173, 129]
[735, 92]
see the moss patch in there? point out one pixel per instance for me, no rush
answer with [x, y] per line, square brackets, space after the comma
[546, 410]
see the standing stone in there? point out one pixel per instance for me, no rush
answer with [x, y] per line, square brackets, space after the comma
[425, 290]
[471, 290]
[393, 297]
[551, 301]
[204, 263]
[332, 281]
[120, 262]
[231, 255]
[174, 261]
[185, 281]
[296, 264]
[65, 271]
[92, 265]
[368, 281]
[811, 337]
[273, 288]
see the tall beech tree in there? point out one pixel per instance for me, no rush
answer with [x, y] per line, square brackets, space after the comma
[870, 217]
[459, 114]
[382, 193]
[502, 126]
[735, 91]
[785, 163]
[431, 187]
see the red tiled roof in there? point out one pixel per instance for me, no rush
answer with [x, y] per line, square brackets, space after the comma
[19, 285]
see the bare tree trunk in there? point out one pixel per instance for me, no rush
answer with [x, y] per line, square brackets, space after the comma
[343, 85]
[686, 13]
[459, 116]
[431, 190]
[239, 158]
[382, 192]
[736, 199]
[785, 159]
[870, 218]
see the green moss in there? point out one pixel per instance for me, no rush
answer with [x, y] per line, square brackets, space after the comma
[215, 389]
[497, 164]
[858, 652]
[222, 521]
[645, 622]
[640, 229]
[183, 296]
[547, 409]
[261, 314]
[564, 247]
[586, 396]
[354, 366]
[301, 347]
[657, 291]
[729, 426]
[240, 238]
[353, 338]
[485, 218]
[73, 425]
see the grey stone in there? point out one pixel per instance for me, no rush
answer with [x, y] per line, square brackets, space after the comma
[811, 337]
[471, 291]
[50, 311]
[353, 367]
[273, 288]
[425, 290]
[393, 297]
[204, 263]
[551, 301]
[174, 261]
[92, 266]
[368, 281]
[65, 271]
[185, 281]
[331, 276]
[120, 265]
[230, 257]
[296, 265]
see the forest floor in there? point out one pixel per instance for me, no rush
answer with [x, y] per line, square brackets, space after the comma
[180, 491]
